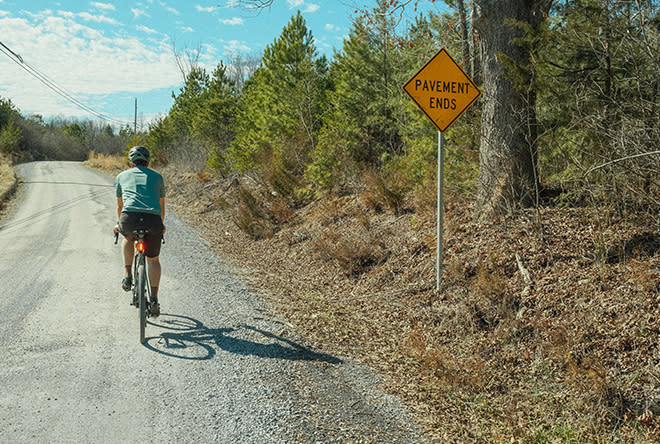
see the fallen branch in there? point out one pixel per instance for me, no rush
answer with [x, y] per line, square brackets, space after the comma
[526, 275]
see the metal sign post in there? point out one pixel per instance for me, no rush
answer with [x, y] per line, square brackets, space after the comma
[441, 204]
[443, 91]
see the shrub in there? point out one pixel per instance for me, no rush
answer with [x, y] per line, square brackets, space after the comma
[384, 190]
[251, 216]
[354, 249]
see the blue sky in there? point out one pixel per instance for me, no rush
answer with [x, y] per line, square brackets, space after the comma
[107, 53]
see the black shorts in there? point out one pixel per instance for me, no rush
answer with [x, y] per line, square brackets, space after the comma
[129, 222]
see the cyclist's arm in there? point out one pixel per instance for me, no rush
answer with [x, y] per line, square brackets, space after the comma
[162, 212]
[120, 206]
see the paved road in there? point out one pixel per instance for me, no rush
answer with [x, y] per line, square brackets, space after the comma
[216, 367]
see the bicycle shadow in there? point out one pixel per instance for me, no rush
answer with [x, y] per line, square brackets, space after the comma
[189, 339]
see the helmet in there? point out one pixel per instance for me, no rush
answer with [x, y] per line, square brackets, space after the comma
[138, 153]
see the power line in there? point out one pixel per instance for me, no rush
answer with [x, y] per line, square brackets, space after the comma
[13, 53]
[54, 86]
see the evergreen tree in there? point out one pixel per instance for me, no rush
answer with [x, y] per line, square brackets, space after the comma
[187, 102]
[8, 112]
[281, 108]
[361, 130]
[600, 69]
[214, 121]
[10, 138]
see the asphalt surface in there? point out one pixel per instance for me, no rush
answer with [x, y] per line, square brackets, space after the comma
[216, 368]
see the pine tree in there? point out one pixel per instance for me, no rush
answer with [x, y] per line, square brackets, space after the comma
[600, 69]
[213, 124]
[361, 130]
[281, 108]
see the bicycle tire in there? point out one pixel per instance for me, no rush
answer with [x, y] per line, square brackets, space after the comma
[140, 282]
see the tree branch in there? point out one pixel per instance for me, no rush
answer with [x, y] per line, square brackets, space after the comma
[592, 169]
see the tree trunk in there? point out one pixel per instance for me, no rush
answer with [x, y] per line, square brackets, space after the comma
[462, 17]
[475, 67]
[507, 173]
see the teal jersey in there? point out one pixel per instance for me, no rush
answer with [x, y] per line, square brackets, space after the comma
[141, 189]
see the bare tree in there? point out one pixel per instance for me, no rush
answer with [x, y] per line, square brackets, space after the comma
[241, 68]
[187, 59]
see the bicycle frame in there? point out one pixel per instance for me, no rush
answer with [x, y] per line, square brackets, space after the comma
[141, 287]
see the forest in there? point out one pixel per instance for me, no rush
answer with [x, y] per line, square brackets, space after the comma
[584, 124]
[546, 327]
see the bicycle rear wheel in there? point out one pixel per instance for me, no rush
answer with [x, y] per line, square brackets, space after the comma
[141, 280]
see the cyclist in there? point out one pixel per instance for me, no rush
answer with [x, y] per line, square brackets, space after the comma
[141, 204]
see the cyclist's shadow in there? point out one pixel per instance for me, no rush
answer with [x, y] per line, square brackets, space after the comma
[187, 338]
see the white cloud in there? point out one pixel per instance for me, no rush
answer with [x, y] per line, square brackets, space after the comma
[97, 18]
[208, 49]
[146, 29]
[331, 27]
[80, 59]
[172, 10]
[138, 12]
[300, 4]
[105, 6]
[203, 9]
[188, 29]
[233, 21]
[234, 46]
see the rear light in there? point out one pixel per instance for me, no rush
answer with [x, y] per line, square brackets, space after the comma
[140, 245]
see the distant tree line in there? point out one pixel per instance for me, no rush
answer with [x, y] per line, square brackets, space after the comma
[31, 138]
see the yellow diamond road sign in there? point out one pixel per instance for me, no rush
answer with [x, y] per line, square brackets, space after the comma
[442, 90]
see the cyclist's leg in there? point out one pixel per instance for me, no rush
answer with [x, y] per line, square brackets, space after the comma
[153, 251]
[126, 226]
[154, 270]
[128, 252]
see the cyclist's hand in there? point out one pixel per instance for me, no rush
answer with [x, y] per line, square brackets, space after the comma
[115, 230]
[164, 229]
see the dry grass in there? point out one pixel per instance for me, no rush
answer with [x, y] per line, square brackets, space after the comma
[7, 178]
[571, 357]
[111, 163]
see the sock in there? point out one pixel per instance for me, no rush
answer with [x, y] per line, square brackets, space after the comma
[128, 270]
[154, 293]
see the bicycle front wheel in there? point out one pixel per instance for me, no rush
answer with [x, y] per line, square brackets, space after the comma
[141, 283]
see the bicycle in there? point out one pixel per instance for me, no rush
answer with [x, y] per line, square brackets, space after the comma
[141, 288]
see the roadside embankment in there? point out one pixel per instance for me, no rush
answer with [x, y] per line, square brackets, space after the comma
[8, 180]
